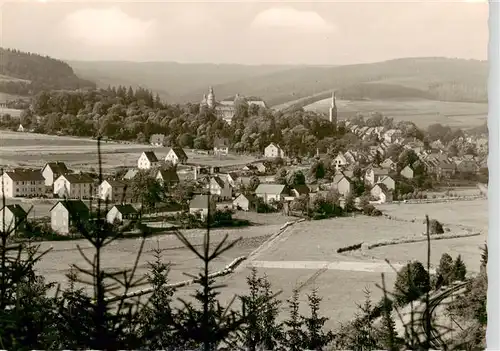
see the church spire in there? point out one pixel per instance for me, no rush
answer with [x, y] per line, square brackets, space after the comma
[333, 110]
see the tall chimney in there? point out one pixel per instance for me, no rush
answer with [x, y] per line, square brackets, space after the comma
[195, 173]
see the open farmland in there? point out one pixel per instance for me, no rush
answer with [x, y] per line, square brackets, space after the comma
[122, 254]
[468, 248]
[473, 213]
[305, 256]
[422, 112]
[34, 150]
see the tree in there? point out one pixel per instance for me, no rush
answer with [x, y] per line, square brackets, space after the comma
[314, 336]
[296, 178]
[317, 170]
[253, 183]
[445, 270]
[387, 334]
[459, 270]
[261, 329]
[281, 176]
[411, 283]
[364, 337]
[157, 326]
[293, 336]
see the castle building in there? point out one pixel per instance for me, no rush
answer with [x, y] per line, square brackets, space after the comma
[223, 110]
[333, 110]
[226, 108]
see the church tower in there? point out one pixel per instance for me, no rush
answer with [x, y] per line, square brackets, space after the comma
[211, 98]
[333, 110]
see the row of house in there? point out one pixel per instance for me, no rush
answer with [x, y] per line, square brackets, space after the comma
[63, 215]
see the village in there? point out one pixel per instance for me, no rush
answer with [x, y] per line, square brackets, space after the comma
[395, 169]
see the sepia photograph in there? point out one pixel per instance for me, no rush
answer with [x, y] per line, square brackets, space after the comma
[224, 175]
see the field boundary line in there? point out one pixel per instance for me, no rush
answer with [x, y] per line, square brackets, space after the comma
[268, 243]
[364, 246]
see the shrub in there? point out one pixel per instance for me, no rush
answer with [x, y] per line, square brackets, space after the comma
[349, 248]
[435, 227]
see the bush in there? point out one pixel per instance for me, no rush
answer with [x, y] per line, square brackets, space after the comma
[349, 248]
[370, 210]
[435, 227]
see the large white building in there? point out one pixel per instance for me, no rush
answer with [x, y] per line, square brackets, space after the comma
[74, 186]
[22, 183]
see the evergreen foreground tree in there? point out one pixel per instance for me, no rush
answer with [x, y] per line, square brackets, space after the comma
[315, 337]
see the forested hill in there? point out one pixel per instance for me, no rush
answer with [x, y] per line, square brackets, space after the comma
[434, 78]
[24, 73]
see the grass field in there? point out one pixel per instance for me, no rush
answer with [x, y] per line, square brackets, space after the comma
[122, 254]
[472, 213]
[468, 248]
[34, 150]
[313, 241]
[421, 112]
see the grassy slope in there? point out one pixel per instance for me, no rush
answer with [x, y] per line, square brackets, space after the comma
[282, 84]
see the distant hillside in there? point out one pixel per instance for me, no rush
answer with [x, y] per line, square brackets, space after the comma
[23, 74]
[175, 82]
[430, 78]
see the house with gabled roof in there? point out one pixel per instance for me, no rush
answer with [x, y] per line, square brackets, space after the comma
[157, 140]
[343, 184]
[67, 213]
[382, 193]
[115, 191]
[200, 203]
[22, 183]
[245, 202]
[52, 170]
[273, 150]
[221, 146]
[373, 174]
[221, 189]
[147, 160]
[118, 213]
[74, 186]
[270, 192]
[407, 172]
[167, 176]
[350, 157]
[15, 219]
[299, 190]
[232, 177]
[469, 166]
[446, 168]
[388, 164]
[339, 161]
[176, 155]
[387, 181]
[131, 173]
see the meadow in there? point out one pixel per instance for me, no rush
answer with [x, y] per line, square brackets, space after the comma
[121, 254]
[420, 111]
[34, 150]
[311, 241]
[471, 213]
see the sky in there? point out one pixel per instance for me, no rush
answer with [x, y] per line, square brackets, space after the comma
[252, 32]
